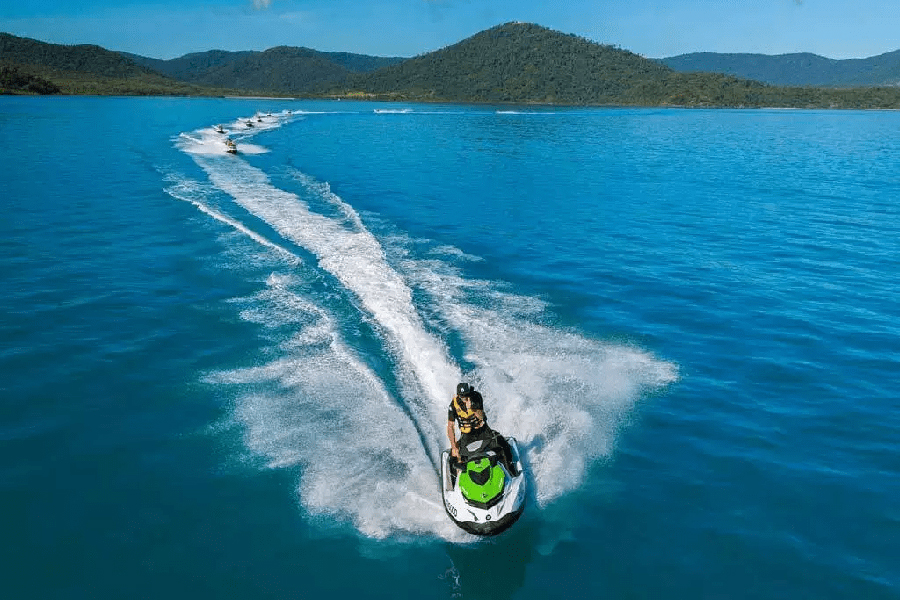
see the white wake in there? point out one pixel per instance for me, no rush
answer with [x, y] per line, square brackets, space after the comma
[316, 402]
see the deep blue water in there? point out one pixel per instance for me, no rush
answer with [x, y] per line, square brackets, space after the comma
[227, 376]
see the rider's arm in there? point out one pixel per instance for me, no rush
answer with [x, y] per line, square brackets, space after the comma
[477, 404]
[451, 433]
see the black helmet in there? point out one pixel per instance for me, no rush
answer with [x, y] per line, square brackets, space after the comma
[463, 389]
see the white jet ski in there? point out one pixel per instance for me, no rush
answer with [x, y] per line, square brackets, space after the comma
[484, 498]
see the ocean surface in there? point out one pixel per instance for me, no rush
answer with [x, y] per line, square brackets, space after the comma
[227, 376]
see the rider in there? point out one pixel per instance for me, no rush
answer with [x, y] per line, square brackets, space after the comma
[467, 407]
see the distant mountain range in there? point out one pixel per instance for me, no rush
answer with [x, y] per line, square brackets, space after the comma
[801, 69]
[510, 63]
[282, 69]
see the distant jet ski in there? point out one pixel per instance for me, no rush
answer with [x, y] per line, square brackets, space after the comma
[219, 129]
[249, 123]
[484, 498]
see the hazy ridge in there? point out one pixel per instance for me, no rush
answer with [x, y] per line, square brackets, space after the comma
[798, 69]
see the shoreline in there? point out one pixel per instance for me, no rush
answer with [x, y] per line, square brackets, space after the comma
[332, 98]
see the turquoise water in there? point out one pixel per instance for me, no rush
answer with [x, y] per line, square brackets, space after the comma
[227, 376]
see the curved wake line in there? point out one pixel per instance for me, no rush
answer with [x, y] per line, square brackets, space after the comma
[563, 396]
[178, 193]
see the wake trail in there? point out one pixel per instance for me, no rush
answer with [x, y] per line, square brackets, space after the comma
[353, 255]
[344, 248]
[319, 405]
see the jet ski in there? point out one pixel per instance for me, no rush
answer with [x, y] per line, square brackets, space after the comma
[230, 146]
[483, 498]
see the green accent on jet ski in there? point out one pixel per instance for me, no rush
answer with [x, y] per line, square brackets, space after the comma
[487, 491]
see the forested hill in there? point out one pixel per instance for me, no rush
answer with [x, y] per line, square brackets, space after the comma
[284, 69]
[362, 63]
[795, 69]
[190, 67]
[12, 81]
[280, 70]
[84, 58]
[81, 69]
[517, 62]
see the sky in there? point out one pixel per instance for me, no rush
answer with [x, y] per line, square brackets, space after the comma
[652, 28]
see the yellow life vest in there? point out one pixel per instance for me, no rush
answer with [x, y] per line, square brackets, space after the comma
[467, 419]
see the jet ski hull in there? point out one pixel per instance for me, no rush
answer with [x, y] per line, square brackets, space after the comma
[485, 520]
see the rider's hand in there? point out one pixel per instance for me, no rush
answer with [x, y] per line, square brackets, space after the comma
[455, 453]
